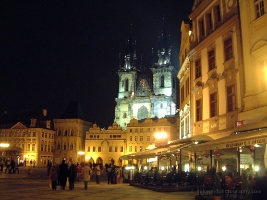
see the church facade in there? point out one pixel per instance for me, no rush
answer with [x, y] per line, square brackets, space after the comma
[146, 93]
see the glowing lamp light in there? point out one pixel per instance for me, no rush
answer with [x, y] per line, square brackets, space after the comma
[81, 152]
[161, 135]
[145, 167]
[199, 168]
[256, 168]
[224, 168]
[4, 145]
[162, 168]
[242, 166]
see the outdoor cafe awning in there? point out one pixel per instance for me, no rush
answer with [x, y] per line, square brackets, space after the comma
[170, 148]
[248, 138]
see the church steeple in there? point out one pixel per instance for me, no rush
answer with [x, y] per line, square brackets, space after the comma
[130, 53]
[164, 48]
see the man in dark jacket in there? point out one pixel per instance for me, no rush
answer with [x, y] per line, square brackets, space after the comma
[63, 173]
[72, 175]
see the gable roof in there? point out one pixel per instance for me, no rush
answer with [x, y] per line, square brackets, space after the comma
[73, 111]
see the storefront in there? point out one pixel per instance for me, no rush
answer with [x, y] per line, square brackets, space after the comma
[234, 153]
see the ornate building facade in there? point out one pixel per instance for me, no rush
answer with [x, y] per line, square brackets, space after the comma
[30, 136]
[102, 146]
[71, 129]
[146, 93]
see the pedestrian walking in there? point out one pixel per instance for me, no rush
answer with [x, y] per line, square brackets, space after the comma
[72, 173]
[86, 172]
[8, 163]
[54, 176]
[97, 176]
[109, 173]
[79, 171]
[63, 174]
[1, 164]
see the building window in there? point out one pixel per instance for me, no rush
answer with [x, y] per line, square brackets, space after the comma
[259, 8]
[209, 23]
[65, 146]
[131, 130]
[211, 57]
[42, 147]
[198, 68]
[136, 130]
[217, 14]
[201, 29]
[48, 148]
[213, 104]
[148, 129]
[42, 134]
[66, 133]
[135, 138]
[121, 149]
[29, 147]
[130, 149]
[33, 147]
[187, 87]
[141, 129]
[131, 138]
[162, 81]
[99, 149]
[198, 110]
[135, 148]
[58, 146]
[148, 138]
[71, 146]
[94, 149]
[228, 51]
[126, 85]
[182, 94]
[141, 138]
[88, 149]
[230, 98]
[116, 149]
[110, 149]
[141, 148]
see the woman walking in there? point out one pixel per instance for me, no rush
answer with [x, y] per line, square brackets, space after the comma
[54, 176]
[86, 172]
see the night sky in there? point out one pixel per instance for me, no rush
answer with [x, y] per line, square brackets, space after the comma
[53, 52]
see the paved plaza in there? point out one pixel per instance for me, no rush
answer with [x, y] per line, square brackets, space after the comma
[35, 185]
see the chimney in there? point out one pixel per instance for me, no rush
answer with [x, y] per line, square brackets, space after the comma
[45, 112]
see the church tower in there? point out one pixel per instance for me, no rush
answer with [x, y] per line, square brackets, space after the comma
[146, 93]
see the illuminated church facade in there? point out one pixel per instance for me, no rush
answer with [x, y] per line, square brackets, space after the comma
[146, 93]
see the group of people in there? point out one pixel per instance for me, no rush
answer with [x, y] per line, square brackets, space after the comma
[64, 174]
[112, 172]
[11, 166]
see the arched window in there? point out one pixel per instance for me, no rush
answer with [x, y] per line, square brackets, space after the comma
[65, 146]
[72, 132]
[58, 145]
[127, 85]
[59, 133]
[71, 146]
[66, 133]
[162, 81]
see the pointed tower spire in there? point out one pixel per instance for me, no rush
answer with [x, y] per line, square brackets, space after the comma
[130, 53]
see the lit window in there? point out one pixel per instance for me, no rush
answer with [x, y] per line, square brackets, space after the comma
[228, 51]
[259, 8]
[198, 110]
[99, 149]
[198, 68]
[211, 57]
[213, 104]
[136, 138]
[131, 138]
[141, 138]
[230, 98]
[130, 149]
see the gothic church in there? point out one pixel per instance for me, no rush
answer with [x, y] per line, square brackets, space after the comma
[146, 93]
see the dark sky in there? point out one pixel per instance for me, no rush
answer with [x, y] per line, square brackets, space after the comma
[53, 52]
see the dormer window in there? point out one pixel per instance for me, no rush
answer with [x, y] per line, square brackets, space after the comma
[33, 122]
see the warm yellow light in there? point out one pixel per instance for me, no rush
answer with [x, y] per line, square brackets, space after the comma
[242, 166]
[189, 33]
[161, 135]
[81, 152]
[223, 168]
[256, 168]
[4, 145]
[87, 157]
[199, 168]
